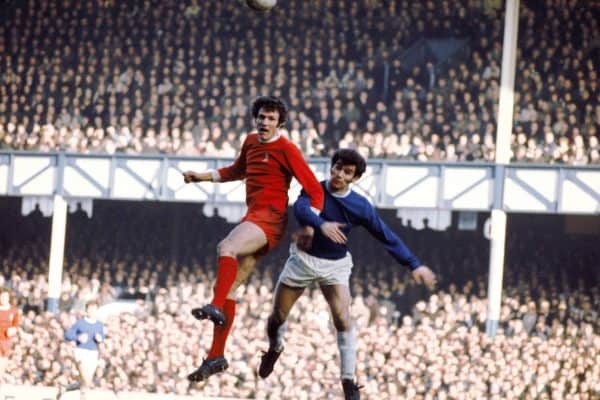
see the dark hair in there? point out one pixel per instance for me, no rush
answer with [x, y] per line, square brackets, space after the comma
[270, 103]
[91, 303]
[350, 157]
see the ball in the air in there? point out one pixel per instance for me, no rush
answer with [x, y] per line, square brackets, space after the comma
[261, 5]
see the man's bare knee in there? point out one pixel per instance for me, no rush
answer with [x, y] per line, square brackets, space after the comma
[226, 248]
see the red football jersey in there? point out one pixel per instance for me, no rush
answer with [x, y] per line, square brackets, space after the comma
[8, 318]
[268, 169]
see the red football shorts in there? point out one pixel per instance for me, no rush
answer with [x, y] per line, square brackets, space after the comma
[272, 223]
[5, 348]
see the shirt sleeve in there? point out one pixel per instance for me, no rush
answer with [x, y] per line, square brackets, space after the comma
[71, 333]
[392, 243]
[305, 214]
[306, 177]
[235, 171]
[101, 332]
[16, 321]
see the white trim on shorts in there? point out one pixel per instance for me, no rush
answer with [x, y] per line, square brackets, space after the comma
[302, 269]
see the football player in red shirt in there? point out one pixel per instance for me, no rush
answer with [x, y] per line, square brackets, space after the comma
[267, 161]
[9, 322]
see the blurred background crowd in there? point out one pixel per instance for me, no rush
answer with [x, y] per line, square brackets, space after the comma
[412, 343]
[410, 80]
[416, 80]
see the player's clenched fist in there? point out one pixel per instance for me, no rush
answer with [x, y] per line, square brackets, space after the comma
[189, 176]
[303, 238]
[425, 276]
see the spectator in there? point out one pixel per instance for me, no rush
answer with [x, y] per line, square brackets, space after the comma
[559, 357]
[160, 76]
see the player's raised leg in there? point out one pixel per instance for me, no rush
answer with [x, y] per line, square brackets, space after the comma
[285, 298]
[246, 238]
[216, 361]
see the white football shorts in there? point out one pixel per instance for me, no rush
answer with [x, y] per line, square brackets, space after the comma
[87, 359]
[301, 269]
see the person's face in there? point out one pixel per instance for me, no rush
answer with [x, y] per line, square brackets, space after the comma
[92, 311]
[4, 299]
[267, 123]
[342, 176]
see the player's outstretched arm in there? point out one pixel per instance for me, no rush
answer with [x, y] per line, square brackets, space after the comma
[234, 172]
[390, 240]
[191, 176]
[424, 275]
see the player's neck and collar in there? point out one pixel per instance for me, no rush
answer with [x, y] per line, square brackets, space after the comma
[275, 137]
[345, 193]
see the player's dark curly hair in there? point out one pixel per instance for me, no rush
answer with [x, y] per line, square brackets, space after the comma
[270, 103]
[350, 157]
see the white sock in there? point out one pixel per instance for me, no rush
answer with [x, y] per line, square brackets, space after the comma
[346, 341]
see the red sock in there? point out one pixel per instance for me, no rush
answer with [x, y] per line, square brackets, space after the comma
[226, 272]
[220, 333]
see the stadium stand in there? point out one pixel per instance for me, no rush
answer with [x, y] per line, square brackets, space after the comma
[411, 344]
[409, 80]
[176, 77]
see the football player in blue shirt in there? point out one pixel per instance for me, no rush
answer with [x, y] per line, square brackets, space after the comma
[87, 333]
[314, 258]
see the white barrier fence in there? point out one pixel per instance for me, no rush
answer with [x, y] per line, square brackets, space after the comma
[391, 184]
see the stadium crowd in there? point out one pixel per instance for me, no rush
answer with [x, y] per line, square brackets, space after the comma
[176, 77]
[412, 344]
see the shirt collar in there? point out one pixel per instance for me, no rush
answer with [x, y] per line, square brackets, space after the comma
[337, 194]
[274, 138]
